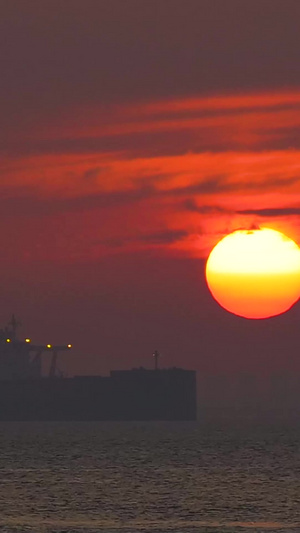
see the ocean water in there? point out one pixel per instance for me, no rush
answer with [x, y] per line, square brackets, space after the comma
[148, 477]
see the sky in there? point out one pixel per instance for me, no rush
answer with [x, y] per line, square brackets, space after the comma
[135, 134]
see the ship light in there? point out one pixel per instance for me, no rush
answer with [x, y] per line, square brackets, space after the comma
[49, 345]
[8, 340]
[69, 345]
[27, 340]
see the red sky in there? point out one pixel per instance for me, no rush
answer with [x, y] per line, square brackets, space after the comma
[134, 136]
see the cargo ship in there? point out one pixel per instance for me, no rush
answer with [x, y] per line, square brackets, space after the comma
[136, 394]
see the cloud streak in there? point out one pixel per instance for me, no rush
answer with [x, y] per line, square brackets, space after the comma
[232, 122]
[271, 212]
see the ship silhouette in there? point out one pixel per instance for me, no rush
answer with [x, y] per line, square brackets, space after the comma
[136, 394]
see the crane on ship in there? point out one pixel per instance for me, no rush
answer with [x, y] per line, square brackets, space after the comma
[54, 350]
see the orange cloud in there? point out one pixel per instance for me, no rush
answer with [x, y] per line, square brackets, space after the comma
[174, 175]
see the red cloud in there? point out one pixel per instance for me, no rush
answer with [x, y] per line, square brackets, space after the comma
[181, 171]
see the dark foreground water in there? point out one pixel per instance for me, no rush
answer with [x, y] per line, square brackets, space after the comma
[156, 477]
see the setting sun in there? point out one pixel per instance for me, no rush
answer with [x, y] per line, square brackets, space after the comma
[255, 273]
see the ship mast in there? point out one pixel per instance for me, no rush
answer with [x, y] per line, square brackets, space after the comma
[156, 355]
[14, 324]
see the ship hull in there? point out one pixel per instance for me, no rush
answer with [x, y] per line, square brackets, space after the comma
[168, 394]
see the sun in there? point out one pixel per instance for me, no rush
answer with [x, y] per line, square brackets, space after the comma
[255, 273]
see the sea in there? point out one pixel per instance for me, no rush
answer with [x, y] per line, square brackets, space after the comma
[156, 477]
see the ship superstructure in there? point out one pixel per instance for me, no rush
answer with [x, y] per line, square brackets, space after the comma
[20, 359]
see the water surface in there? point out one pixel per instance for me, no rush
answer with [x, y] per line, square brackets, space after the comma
[156, 477]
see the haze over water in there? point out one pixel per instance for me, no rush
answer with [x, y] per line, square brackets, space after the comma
[139, 477]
